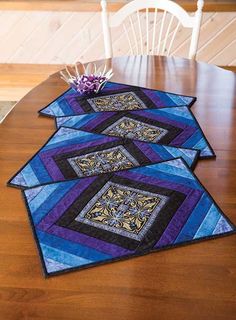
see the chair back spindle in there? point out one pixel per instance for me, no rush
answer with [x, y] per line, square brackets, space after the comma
[151, 26]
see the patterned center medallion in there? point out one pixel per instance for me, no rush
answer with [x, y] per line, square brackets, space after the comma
[120, 101]
[112, 159]
[123, 210]
[134, 129]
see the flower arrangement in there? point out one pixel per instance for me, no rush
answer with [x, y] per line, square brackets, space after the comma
[86, 80]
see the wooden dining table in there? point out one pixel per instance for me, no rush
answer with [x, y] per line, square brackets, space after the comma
[192, 282]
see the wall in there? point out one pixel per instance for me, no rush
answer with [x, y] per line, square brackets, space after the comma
[53, 37]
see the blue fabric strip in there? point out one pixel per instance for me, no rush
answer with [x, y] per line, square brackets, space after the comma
[79, 121]
[175, 170]
[177, 153]
[63, 257]
[55, 109]
[209, 223]
[178, 100]
[193, 139]
[65, 107]
[164, 152]
[42, 174]
[166, 176]
[164, 113]
[48, 198]
[68, 134]
[53, 265]
[201, 144]
[29, 175]
[179, 112]
[164, 98]
[195, 219]
[73, 141]
[222, 226]
[71, 247]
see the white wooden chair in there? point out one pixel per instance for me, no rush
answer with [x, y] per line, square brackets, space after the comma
[136, 40]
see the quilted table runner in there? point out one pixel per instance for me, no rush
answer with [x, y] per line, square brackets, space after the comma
[114, 181]
[114, 97]
[71, 153]
[176, 127]
[89, 221]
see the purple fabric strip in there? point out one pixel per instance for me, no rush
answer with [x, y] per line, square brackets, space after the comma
[101, 117]
[148, 151]
[156, 182]
[52, 168]
[73, 103]
[182, 137]
[64, 204]
[152, 95]
[153, 116]
[50, 164]
[179, 219]
[86, 240]
[116, 86]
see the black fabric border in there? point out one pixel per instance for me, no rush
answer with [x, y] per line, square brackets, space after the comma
[133, 150]
[64, 166]
[172, 133]
[85, 105]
